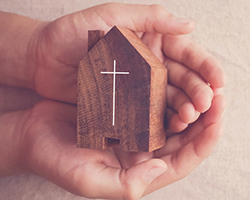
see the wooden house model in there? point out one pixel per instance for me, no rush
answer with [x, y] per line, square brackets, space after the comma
[121, 94]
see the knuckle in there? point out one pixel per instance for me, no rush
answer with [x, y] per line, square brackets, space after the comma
[129, 196]
[129, 191]
[160, 11]
[186, 80]
[188, 52]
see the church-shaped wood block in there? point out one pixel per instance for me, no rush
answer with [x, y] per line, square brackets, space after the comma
[121, 94]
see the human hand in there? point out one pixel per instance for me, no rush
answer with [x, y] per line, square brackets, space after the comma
[57, 47]
[43, 141]
[49, 128]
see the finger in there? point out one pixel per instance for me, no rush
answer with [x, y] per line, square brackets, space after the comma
[178, 101]
[196, 88]
[173, 123]
[154, 42]
[142, 18]
[218, 91]
[189, 53]
[128, 159]
[73, 29]
[190, 155]
[115, 183]
[212, 116]
[180, 110]
[215, 114]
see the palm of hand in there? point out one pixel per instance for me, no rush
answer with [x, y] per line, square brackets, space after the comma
[51, 152]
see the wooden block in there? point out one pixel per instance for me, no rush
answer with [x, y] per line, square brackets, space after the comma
[121, 94]
[93, 37]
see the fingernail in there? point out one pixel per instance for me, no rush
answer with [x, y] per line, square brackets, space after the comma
[183, 20]
[153, 173]
[196, 116]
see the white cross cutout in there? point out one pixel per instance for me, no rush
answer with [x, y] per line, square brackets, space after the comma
[114, 73]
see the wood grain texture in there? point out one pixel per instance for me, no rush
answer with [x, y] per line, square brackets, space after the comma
[140, 102]
[93, 37]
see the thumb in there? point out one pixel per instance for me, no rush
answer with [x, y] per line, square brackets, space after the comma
[137, 178]
[143, 18]
[116, 183]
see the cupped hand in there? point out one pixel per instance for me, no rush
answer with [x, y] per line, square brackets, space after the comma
[47, 132]
[48, 148]
[57, 47]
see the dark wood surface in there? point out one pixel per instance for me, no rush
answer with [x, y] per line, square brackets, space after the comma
[140, 96]
[93, 37]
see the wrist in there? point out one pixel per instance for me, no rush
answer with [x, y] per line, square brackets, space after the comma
[14, 42]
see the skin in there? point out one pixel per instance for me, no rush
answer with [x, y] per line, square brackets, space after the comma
[43, 56]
